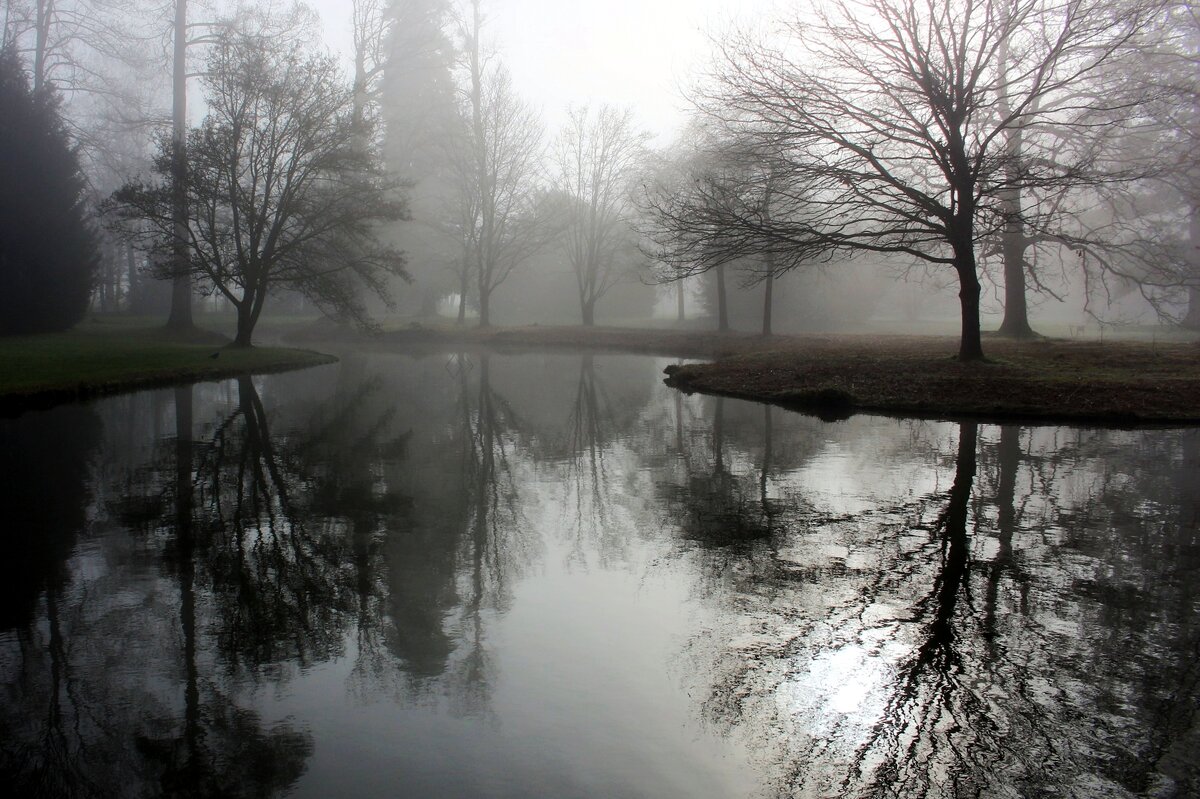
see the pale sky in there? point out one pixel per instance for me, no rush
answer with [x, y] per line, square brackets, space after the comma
[638, 53]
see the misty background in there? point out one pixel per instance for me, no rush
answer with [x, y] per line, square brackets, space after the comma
[567, 71]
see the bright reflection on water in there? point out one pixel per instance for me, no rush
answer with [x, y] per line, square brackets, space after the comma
[515, 576]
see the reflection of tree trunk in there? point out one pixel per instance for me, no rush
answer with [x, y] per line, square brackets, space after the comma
[679, 422]
[718, 436]
[768, 435]
[186, 547]
[1006, 520]
[955, 550]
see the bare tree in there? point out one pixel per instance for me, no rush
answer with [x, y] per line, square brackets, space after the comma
[596, 160]
[278, 193]
[715, 177]
[498, 183]
[892, 117]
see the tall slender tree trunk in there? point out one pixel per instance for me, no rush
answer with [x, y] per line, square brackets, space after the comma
[486, 250]
[41, 42]
[485, 311]
[722, 302]
[768, 299]
[679, 296]
[464, 284]
[1013, 242]
[186, 546]
[180, 318]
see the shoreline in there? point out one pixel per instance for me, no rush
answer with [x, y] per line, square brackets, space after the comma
[1040, 381]
[1115, 383]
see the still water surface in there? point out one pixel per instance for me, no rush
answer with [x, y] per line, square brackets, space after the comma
[551, 576]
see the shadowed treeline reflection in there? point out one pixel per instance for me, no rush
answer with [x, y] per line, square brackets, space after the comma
[514, 575]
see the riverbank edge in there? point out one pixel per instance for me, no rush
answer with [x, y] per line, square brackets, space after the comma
[267, 360]
[1041, 381]
[979, 399]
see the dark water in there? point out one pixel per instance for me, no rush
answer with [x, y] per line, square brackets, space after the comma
[550, 576]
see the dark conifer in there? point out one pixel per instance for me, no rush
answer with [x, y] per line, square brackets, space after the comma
[48, 253]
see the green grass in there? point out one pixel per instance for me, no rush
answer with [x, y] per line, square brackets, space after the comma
[111, 355]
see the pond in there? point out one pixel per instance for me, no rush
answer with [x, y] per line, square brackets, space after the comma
[548, 575]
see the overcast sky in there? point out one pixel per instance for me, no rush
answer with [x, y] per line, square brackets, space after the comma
[627, 52]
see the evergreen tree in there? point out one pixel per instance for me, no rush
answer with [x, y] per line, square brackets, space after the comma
[48, 252]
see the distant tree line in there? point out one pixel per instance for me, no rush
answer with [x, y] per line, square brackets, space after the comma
[1014, 150]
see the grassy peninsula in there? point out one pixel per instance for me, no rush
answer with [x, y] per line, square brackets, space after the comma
[106, 357]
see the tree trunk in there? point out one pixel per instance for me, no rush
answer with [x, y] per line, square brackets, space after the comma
[1013, 242]
[722, 304]
[41, 43]
[245, 322]
[1016, 307]
[463, 286]
[181, 288]
[485, 315]
[1192, 320]
[589, 313]
[680, 316]
[970, 346]
[131, 267]
[768, 298]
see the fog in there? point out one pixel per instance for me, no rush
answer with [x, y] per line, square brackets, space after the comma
[447, 94]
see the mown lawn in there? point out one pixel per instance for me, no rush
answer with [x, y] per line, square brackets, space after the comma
[102, 357]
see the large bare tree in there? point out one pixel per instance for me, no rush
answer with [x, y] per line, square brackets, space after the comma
[499, 171]
[893, 117]
[279, 194]
[597, 159]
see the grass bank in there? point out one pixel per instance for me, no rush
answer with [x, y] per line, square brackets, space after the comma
[107, 357]
[1114, 382]
[1111, 383]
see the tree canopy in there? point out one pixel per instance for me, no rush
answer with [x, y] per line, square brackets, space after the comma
[279, 195]
[886, 125]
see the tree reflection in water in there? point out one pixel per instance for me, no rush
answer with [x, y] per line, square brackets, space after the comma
[974, 642]
[878, 607]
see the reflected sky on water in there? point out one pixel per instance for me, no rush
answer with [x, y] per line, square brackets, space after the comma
[549, 575]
